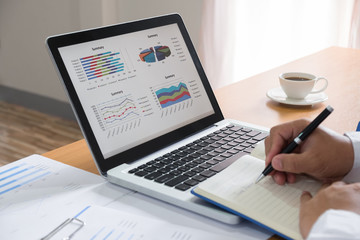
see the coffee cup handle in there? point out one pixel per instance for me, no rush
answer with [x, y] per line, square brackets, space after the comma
[323, 88]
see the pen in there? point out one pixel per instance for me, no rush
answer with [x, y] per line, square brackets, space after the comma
[301, 137]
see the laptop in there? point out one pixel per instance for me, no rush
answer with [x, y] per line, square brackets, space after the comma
[147, 111]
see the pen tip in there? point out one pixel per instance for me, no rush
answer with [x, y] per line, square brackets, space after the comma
[259, 178]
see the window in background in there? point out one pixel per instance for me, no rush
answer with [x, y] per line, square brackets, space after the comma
[241, 38]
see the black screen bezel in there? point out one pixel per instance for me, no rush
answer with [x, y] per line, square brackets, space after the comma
[56, 42]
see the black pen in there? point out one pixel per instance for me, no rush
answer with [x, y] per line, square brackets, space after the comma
[301, 137]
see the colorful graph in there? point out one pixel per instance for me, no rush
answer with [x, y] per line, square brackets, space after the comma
[150, 55]
[117, 111]
[102, 64]
[172, 95]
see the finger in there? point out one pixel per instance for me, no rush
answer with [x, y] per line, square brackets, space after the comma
[272, 148]
[334, 185]
[292, 163]
[290, 177]
[325, 185]
[355, 186]
[339, 183]
[276, 140]
[305, 197]
[267, 144]
[280, 136]
[306, 217]
[279, 178]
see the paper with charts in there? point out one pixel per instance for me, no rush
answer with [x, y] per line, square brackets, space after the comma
[37, 194]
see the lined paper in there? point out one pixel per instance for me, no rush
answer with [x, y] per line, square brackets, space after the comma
[266, 202]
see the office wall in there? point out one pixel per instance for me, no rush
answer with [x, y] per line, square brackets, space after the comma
[24, 26]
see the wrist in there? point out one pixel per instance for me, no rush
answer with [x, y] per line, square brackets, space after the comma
[348, 154]
[353, 174]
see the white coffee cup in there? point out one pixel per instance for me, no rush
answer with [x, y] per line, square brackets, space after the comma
[298, 85]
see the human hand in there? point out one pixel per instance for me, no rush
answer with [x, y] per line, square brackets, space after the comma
[336, 196]
[325, 154]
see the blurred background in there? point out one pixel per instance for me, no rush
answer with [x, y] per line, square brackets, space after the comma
[235, 39]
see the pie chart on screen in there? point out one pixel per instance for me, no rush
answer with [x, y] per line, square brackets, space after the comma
[155, 54]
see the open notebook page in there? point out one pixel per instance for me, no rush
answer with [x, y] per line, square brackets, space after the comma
[266, 202]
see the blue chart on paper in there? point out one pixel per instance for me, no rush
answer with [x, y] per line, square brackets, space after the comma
[20, 175]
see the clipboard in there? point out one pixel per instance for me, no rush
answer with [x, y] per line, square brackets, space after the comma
[68, 222]
[63, 225]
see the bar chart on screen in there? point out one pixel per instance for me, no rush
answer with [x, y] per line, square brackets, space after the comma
[103, 65]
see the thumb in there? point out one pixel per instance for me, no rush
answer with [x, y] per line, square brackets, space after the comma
[305, 197]
[287, 163]
[306, 219]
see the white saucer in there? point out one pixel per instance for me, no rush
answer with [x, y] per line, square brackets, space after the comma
[278, 95]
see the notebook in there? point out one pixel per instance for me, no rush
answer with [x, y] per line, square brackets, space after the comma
[147, 111]
[266, 203]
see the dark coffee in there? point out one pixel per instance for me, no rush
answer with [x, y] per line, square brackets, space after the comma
[297, 78]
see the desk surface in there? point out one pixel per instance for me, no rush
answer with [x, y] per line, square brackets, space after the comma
[246, 100]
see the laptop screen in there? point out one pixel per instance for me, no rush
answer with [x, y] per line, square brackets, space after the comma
[137, 86]
[134, 84]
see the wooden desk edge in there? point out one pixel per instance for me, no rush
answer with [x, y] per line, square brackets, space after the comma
[75, 154]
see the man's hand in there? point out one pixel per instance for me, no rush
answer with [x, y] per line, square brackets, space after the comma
[338, 195]
[325, 154]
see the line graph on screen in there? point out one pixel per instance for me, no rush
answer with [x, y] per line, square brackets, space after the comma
[116, 112]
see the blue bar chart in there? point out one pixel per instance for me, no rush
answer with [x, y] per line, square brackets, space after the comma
[20, 175]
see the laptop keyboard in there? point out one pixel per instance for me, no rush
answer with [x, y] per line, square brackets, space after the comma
[193, 163]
